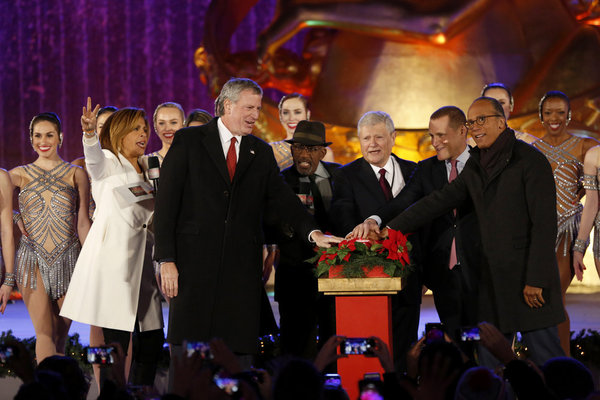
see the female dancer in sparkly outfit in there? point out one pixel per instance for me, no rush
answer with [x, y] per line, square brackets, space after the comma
[566, 153]
[53, 205]
[293, 108]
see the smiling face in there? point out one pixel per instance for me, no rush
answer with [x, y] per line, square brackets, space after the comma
[485, 134]
[240, 116]
[555, 114]
[292, 111]
[376, 143]
[45, 139]
[168, 121]
[135, 142]
[503, 98]
[449, 143]
[306, 158]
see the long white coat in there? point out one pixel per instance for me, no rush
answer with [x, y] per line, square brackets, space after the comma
[106, 288]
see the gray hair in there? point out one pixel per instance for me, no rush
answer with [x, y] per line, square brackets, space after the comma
[231, 91]
[374, 118]
[168, 104]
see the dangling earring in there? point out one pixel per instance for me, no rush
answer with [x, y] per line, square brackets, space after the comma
[60, 140]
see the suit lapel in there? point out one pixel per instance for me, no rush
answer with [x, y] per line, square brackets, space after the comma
[247, 155]
[212, 141]
[440, 176]
[368, 178]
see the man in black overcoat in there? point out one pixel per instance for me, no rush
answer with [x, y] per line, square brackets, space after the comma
[512, 189]
[363, 186]
[215, 183]
[301, 307]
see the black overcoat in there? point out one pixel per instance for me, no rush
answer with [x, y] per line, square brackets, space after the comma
[212, 228]
[516, 209]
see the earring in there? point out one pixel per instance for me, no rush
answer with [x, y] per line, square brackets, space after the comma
[60, 140]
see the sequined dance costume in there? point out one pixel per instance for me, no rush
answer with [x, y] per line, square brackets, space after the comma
[590, 182]
[283, 154]
[47, 202]
[568, 174]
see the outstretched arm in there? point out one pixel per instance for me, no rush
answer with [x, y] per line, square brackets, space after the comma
[8, 242]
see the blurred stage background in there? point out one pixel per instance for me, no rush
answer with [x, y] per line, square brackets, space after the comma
[405, 57]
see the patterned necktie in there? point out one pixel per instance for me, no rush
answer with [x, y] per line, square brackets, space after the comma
[453, 175]
[231, 158]
[385, 186]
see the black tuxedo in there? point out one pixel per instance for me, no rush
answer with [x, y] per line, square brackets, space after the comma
[356, 196]
[455, 291]
[301, 307]
[212, 228]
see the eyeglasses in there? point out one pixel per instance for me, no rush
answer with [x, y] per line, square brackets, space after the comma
[480, 120]
[302, 147]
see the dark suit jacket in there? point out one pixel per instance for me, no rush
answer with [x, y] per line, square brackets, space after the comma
[436, 238]
[356, 196]
[292, 269]
[212, 227]
[516, 208]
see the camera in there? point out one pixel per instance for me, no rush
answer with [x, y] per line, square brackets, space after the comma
[434, 332]
[470, 334]
[371, 386]
[333, 380]
[230, 386]
[6, 352]
[357, 346]
[100, 355]
[202, 348]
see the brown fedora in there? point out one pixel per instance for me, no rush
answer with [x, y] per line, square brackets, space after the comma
[309, 133]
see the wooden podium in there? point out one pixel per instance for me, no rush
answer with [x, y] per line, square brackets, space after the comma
[363, 308]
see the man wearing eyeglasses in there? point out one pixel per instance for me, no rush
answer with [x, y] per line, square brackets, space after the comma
[359, 190]
[512, 189]
[301, 307]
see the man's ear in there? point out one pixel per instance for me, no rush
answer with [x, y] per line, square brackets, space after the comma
[322, 153]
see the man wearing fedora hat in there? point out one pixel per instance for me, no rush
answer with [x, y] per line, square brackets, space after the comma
[301, 307]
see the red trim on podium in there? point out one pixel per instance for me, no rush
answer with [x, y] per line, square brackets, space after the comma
[362, 316]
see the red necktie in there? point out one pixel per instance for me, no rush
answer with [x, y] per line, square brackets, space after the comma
[231, 158]
[385, 186]
[453, 175]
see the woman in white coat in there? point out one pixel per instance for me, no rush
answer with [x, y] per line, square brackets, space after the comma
[113, 284]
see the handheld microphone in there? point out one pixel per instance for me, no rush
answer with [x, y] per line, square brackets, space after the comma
[154, 171]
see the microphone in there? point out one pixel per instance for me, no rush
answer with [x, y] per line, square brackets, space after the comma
[154, 171]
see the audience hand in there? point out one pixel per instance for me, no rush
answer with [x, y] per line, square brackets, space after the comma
[412, 358]
[224, 357]
[533, 296]
[323, 240]
[436, 376]
[362, 231]
[493, 340]
[88, 117]
[578, 265]
[328, 352]
[264, 383]
[383, 354]
[169, 278]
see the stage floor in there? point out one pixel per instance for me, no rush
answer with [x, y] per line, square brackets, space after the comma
[584, 311]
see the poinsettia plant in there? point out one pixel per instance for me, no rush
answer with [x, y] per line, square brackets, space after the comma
[356, 258]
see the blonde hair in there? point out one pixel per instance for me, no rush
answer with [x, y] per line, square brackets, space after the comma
[118, 125]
